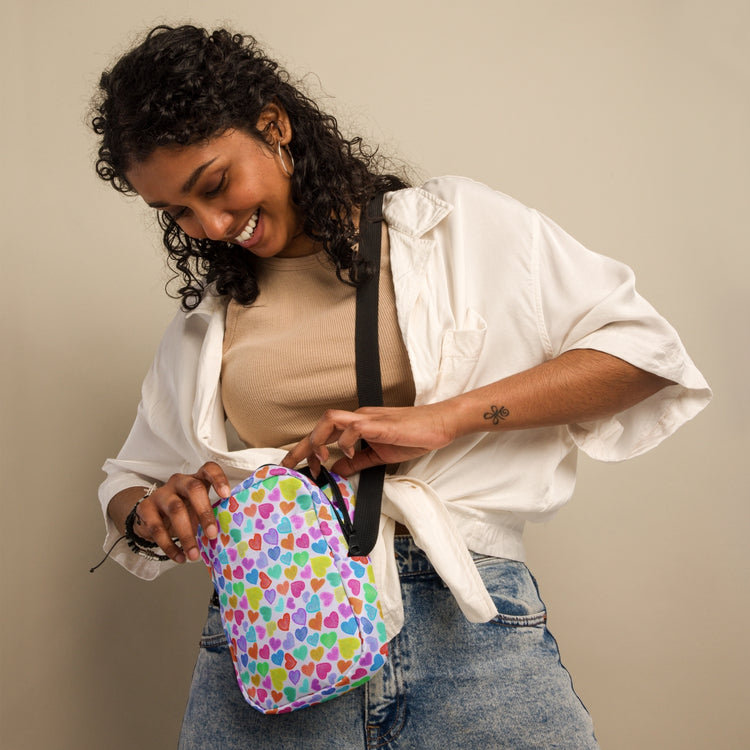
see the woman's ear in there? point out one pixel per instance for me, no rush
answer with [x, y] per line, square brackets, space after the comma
[273, 125]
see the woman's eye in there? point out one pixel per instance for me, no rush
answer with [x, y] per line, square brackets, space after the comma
[177, 214]
[217, 189]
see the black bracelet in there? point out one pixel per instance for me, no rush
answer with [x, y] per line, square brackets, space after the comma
[137, 543]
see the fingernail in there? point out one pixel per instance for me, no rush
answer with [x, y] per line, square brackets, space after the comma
[180, 558]
[193, 554]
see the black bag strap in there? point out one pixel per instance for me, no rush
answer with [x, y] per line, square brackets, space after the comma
[369, 385]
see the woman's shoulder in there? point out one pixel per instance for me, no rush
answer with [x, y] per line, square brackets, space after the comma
[455, 198]
[465, 193]
[188, 329]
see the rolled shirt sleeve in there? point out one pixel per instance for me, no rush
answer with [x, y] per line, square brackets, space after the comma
[589, 301]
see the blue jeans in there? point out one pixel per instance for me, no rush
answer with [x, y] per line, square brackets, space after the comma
[447, 682]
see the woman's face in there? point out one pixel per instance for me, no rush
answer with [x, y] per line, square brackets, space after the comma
[231, 188]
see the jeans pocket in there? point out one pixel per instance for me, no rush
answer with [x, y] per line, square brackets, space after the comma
[213, 637]
[514, 592]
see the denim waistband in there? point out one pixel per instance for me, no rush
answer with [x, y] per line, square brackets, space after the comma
[412, 561]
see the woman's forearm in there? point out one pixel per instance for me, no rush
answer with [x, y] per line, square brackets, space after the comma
[580, 385]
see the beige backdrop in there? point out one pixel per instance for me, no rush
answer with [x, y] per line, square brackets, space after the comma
[626, 121]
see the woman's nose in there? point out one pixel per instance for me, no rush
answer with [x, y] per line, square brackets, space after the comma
[215, 223]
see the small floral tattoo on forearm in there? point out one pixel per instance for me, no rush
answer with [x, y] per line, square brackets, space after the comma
[496, 414]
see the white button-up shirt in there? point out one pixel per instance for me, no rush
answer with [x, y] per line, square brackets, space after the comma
[485, 288]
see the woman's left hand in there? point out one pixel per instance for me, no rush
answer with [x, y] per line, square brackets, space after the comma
[393, 434]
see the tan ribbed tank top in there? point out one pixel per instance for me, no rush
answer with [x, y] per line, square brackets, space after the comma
[290, 355]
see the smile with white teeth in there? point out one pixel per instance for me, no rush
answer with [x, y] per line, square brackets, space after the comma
[248, 231]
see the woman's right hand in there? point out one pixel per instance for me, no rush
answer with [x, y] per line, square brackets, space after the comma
[175, 509]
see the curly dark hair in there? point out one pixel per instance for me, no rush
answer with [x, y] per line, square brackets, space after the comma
[184, 85]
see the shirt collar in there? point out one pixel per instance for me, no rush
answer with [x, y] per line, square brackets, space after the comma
[414, 211]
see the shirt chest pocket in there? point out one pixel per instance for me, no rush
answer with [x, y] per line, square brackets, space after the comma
[459, 354]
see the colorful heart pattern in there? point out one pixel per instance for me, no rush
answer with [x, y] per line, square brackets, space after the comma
[302, 618]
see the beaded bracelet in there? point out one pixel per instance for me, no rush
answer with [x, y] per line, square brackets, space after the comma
[137, 544]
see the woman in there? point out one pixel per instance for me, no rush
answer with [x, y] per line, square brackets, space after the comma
[505, 346]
